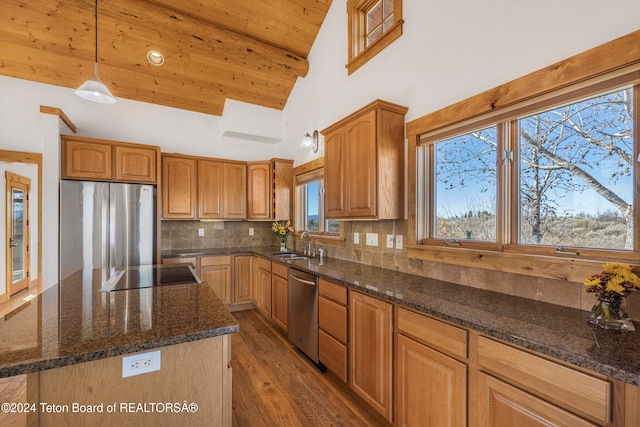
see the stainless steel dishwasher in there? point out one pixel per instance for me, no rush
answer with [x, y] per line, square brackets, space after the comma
[303, 312]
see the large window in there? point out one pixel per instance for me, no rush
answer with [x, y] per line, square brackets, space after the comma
[310, 205]
[555, 177]
[373, 25]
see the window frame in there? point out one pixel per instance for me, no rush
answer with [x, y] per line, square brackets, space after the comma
[508, 175]
[315, 167]
[359, 52]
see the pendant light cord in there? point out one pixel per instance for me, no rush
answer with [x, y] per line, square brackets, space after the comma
[96, 20]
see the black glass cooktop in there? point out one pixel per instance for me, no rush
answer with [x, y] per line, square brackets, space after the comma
[146, 276]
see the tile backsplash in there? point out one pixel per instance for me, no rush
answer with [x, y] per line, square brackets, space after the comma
[184, 235]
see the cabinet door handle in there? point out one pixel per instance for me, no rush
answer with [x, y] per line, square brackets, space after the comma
[306, 282]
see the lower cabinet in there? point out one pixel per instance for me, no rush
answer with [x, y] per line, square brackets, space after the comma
[370, 361]
[527, 385]
[502, 405]
[242, 278]
[280, 296]
[261, 285]
[430, 381]
[216, 271]
[431, 388]
[332, 320]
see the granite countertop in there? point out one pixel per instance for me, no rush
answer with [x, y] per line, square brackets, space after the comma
[559, 332]
[73, 322]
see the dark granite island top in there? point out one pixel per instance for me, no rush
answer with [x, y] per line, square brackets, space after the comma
[73, 322]
[559, 332]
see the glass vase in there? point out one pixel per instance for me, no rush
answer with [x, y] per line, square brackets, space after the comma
[283, 245]
[611, 314]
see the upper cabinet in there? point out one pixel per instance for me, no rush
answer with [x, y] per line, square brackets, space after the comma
[95, 159]
[221, 190]
[178, 187]
[203, 188]
[269, 189]
[364, 163]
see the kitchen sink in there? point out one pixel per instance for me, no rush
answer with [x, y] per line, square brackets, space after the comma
[289, 255]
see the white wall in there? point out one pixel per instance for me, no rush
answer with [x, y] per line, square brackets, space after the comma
[450, 50]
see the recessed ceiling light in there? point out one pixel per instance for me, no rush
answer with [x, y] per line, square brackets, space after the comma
[155, 58]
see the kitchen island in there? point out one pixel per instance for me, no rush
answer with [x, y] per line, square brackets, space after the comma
[71, 340]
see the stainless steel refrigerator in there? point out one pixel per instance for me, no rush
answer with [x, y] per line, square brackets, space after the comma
[104, 225]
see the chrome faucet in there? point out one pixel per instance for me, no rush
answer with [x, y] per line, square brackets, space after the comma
[307, 250]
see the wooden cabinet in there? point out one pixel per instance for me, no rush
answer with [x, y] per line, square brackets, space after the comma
[235, 190]
[282, 189]
[216, 271]
[280, 295]
[269, 189]
[527, 382]
[430, 386]
[179, 187]
[370, 361]
[261, 285]
[86, 160]
[364, 164]
[136, 164]
[221, 190]
[502, 405]
[259, 190]
[334, 174]
[332, 321]
[96, 159]
[242, 278]
[195, 188]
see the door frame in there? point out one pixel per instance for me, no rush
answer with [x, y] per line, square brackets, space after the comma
[13, 180]
[7, 156]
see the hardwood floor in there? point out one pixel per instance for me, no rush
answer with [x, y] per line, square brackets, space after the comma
[274, 384]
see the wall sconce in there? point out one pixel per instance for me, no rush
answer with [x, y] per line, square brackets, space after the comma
[310, 141]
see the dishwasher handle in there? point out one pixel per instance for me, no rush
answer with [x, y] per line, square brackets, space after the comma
[306, 282]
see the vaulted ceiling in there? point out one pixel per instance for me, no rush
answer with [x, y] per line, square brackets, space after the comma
[247, 50]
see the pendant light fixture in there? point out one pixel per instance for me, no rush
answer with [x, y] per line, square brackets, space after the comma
[93, 89]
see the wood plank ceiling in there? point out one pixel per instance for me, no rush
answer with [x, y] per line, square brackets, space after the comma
[247, 50]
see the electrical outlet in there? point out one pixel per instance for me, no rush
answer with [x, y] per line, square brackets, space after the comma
[390, 241]
[140, 363]
[399, 241]
[200, 232]
[356, 238]
[251, 232]
[372, 239]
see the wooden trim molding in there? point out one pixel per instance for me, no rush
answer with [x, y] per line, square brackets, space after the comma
[58, 112]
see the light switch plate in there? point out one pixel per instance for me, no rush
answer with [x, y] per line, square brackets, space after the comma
[399, 242]
[372, 239]
[251, 232]
[356, 238]
[390, 241]
[200, 232]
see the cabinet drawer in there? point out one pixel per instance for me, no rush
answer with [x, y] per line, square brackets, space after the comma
[332, 318]
[333, 354]
[333, 291]
[215, 260]
[433, 332]
[570, 388]
[279, 270]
